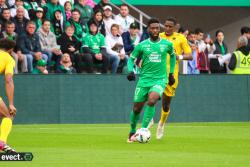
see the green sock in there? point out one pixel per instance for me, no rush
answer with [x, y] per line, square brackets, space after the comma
[148, 115]
[133, 121]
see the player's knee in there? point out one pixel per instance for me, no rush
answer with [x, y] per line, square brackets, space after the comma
[151, 101]
[137, 109]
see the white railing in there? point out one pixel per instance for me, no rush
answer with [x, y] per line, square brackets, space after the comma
[141, 14]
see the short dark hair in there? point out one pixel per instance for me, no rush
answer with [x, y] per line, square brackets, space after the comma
[153, 20]
[172, 19]
[198, 30]
[4, 9]
[191, 32]
[45, 20]
[7, 44]
[218, 31]
[9, 23]
[244, 30]
[124, 5]
[75, 10]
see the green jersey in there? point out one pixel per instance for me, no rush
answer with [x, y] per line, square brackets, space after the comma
[94, 42]
[154, 56]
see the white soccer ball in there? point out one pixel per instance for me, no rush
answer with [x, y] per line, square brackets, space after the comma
[142, 135]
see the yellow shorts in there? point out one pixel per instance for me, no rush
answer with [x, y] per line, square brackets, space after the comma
[170, 90]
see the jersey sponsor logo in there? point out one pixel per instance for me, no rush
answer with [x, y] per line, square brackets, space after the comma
[155, 57]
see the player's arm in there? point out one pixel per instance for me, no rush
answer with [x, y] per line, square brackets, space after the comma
[187, 55]
[172, 55]
[9, 87]
[134, 55]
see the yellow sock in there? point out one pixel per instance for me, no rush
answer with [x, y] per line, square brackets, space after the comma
[5, 129]
[164, 116]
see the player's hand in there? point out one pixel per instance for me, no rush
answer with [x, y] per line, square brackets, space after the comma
[171, 79]
[12, 109]
[131, 76]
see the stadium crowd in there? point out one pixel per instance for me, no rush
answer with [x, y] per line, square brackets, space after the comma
[67, 36]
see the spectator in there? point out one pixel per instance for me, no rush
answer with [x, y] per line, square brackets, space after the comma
[48, 44]
[239, 62]
[245, 31]
[58, 24]
[20, 21]
[68, 8]
[63, 2]
[123, 19]
[115, 48]
[192, 64]
[203, 51]
[31, 6]
[30, 45]
[66, 65]
[108, 19]
[94, 45]
[14, 8]
[10, 34]
[220, 51]
[40, 67]
[101, 4]
[80, 27]
[131, 38]
[3, 5]
[52, 6]
[98, 19]
[5, 17]
[69, 44]
[184, 31]
[85, 10]
[39, 18]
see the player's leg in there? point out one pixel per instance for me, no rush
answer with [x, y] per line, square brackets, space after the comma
[153, 97]
[165, 110]
[135, 116]
[140, 97]
[6, 126]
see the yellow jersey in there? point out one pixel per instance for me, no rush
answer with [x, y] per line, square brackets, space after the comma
[181, 46]
[7, 63]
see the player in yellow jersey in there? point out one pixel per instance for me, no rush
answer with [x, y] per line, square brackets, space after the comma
[7, 65]
[183, 52]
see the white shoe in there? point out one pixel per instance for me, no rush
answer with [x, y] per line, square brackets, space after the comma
[160, 131]
[151, 123]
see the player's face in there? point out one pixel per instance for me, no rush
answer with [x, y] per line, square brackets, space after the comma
[154, 30]
[169, 27]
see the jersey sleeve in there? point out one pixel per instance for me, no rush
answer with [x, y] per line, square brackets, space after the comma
[9, 69]
[185, 46]
[136, 53]
[172, 58]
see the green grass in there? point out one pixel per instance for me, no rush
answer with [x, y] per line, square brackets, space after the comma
[185, 145]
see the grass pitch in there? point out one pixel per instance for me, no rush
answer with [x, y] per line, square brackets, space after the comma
[97, 145]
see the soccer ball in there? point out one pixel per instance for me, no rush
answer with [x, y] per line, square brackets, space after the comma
[142, 135]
